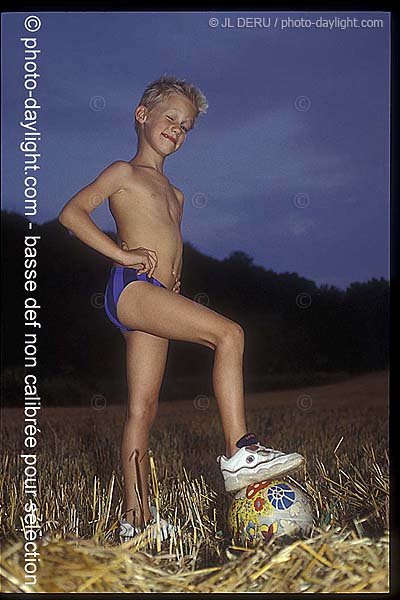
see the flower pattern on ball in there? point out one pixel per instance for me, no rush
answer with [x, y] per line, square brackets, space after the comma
[267, 531]
[251, 530]
[259, 503]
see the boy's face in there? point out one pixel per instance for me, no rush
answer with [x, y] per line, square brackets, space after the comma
[167, 124]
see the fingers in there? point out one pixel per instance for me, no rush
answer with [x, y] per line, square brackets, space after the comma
[149, 261]
[177, 287]
[151, 256]
[152, 263]
[177, 283]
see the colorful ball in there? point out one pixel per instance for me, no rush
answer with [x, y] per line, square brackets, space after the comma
[269, 508]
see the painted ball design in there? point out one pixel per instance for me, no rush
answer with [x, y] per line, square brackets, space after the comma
[269, 508]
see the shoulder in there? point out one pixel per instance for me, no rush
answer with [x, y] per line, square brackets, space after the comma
[118, 175]
[121, 166]
[119, 169]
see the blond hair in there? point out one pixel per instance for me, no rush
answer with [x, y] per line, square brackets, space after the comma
[165, 86]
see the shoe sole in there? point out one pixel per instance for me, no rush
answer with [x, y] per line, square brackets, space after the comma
[247, 475]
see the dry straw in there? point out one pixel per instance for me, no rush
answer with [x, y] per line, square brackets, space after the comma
[330, 562]
[80, 496]
[333, 560]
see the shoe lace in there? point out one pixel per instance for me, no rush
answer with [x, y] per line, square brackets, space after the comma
[264, 449]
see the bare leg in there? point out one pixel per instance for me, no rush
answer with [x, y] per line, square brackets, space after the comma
[145, 364]
[163, 313]
[228, 389]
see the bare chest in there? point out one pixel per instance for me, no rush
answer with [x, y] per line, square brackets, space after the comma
[150, 201]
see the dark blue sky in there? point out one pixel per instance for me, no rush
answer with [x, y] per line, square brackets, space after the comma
[290, 163]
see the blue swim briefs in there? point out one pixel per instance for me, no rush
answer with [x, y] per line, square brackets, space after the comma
[118, 280]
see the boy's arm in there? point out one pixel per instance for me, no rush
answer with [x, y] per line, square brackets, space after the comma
[75, 214]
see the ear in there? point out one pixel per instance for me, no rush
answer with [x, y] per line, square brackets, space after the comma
[141, 113]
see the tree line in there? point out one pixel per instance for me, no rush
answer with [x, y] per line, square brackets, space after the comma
[291, 324]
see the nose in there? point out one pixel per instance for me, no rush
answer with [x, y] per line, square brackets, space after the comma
[176, 128]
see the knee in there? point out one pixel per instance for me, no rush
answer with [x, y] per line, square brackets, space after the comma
[234, 334]
[144, 411]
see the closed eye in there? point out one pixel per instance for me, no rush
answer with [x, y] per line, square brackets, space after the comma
[182, 126]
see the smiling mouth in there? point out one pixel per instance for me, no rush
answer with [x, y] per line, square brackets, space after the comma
[171, 139]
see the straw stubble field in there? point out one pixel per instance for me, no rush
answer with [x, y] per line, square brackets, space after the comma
[341, 428]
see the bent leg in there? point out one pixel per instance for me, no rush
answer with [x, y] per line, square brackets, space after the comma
[163, 313]
[145, 307]
[146, 357]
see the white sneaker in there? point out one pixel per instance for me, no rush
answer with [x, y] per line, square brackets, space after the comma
[254, 462]
[127, 531]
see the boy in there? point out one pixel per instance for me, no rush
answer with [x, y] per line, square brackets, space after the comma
[147, 210]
